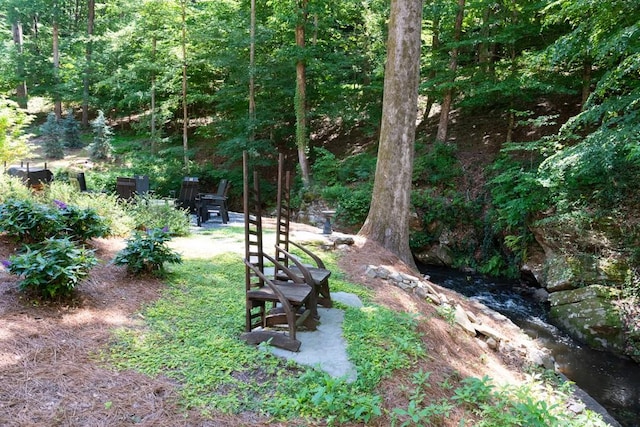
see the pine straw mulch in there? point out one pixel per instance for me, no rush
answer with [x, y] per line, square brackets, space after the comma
[52, 375]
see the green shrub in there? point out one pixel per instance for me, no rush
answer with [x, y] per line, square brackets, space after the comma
[439, 166]
[13, 141]
[153, 213]
[12, 187]
[352, 203]
[53, 268]
[115, 215]
[81, 224]
[146, 252]
[28, 221]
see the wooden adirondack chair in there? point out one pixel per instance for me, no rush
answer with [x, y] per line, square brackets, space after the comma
[126, 187]
[79, 181]
[315, 268]
[271, 303]
[188, 193]
[207, 204]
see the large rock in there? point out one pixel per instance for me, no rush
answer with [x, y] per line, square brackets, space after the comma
[437, 255]
[589, 314]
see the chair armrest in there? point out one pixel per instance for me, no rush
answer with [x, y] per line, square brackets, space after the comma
[287, 271]
[311, 255]
[306, 274]
[277, 292]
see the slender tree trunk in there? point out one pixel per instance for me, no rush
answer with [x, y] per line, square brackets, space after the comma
[300, 100]
[185, 116]
[21, 88]
[435, 46]
[153, 130]
[388, 220]
[586, 80]
[443, 124]
[91, 8]
[252, 68]
[56, 72]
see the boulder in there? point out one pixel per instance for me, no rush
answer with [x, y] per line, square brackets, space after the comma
[437, 255]
[590, 314]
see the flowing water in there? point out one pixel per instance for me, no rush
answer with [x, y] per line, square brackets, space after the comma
[612, 381]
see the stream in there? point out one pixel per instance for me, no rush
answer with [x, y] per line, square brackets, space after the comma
[614, 382]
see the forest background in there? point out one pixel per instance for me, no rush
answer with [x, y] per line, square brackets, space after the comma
[528, 110]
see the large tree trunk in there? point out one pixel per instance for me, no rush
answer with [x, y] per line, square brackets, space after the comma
[21, 88]
[300, 100]
[443, 124]
[388, 220]
[91, 8]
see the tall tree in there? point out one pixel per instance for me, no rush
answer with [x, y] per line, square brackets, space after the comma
[185, 112]
[388, 220]
[443, 124]
[301, 93]
[91, 9]
[21, 88]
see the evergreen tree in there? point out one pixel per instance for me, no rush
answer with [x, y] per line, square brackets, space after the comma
[71, 131]
[100, 149]
[51, 133]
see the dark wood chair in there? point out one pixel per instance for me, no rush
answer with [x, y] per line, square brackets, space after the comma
[216, 204]
[126, 187]
[314, 266]
[275, 307]
[79, 181]
[188, 193]
[142, 185]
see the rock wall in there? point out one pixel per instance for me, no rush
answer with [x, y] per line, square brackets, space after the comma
[583, 269]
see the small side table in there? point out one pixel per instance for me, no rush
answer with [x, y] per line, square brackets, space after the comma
[326, 229]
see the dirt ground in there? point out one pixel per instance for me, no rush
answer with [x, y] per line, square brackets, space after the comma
[51, 373]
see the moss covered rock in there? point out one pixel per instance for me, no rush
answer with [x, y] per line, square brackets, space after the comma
[590, 315]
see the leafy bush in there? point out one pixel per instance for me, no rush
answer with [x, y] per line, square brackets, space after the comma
[116, 216]
[439, 166]
[29, 221]
[53, 268]
[352, 203]
[82, 224]
[12, 187]
[329, 171]
[13, 120]
[153, 213]
[146, 252]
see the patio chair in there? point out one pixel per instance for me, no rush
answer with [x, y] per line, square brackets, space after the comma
[188, 193]
[208, 204]
[314, 266]
[79, 181]
[126, 187]
[275, 307]
[142, 185]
